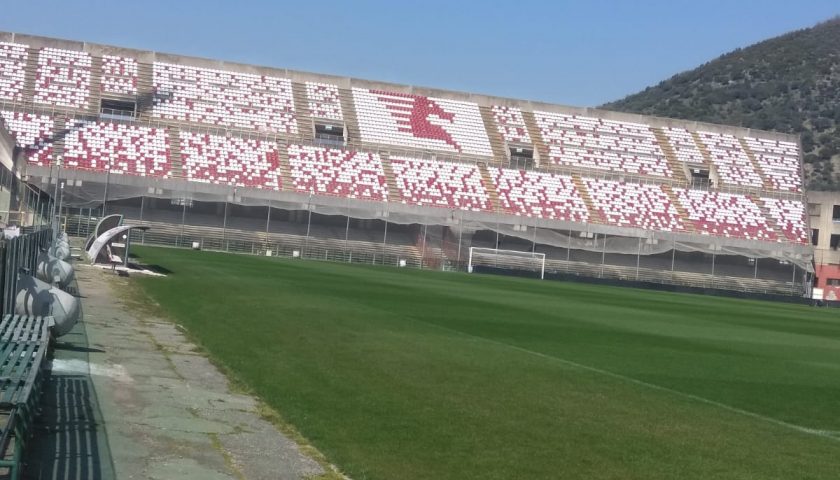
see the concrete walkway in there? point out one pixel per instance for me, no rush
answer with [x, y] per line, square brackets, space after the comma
[130, 399]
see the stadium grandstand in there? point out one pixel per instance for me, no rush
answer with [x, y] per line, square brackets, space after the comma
[225, 156]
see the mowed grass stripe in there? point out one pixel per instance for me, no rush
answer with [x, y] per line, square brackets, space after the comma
[407, 374]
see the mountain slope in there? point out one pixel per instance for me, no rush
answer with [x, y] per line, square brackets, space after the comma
[790, 84]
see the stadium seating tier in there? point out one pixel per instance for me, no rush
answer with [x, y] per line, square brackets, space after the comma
[223, 98]
[414, 121]
[594, 143]
[635, 205]
[13, 58]
[119, 75]
[63, 78]
[539, 194]
[779, 161]
[234, 161]
[338, 172]
[324, 101]
[725, 214]
[34, 134]
[117, 148]
[440, 184]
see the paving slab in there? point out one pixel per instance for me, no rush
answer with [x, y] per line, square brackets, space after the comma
[131, 398]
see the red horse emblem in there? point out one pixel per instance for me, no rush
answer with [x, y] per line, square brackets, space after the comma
[413, 114]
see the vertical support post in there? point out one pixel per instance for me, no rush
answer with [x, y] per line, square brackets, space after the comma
[673, 256]
[183, 217]
[224, 226]
[346, 234]
[384, 242]
[534, 240]
[603, 256]
[423, 251]
[308, 226]
[142, 232]
[460, 236]
[713, 266]
[755, 271]
[638, 258]
[267, 222]
[105, 195]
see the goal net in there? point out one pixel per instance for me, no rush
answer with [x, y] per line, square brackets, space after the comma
[506, 259]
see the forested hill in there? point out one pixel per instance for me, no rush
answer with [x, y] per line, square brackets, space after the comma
[788, 84]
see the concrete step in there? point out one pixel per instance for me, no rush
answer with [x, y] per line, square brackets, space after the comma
[145, 90]
[536, 137]
[61, 131]
[348, 110]
[284, 167]
[689, 226]
[306, 128]
[490, 186]
[394, 195]
[680, 173]
[175, 152]
[756, 166]
[95, 98]
[497, 144]
[595, 215]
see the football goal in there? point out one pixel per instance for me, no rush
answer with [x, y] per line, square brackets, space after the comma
[506, 259]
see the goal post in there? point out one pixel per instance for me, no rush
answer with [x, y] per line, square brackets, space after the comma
[506, 259]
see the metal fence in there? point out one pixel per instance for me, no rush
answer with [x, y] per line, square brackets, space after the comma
[16, 254]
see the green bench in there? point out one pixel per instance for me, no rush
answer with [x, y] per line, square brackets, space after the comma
[24, 349]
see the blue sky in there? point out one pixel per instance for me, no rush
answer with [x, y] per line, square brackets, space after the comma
[581, 53]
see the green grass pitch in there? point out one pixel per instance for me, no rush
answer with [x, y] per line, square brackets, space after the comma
[406, 374]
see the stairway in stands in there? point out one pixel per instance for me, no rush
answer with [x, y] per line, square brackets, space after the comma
[394, 195]
[284, 166]
[175, 158]
[536, 138]
[490, 186]
[675, 165]
[595, 215]
[306, 127]
[707, 156]
[497, 144]
[61, 131]
[672, 196]
[30, 73]
[145, 90]
[95, 97]
[764, 181]
[771, 222]
[349, 112]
